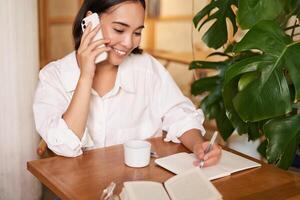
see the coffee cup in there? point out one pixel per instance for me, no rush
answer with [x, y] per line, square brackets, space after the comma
[137, 153]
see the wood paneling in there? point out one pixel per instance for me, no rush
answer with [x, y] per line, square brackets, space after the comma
[55, 27]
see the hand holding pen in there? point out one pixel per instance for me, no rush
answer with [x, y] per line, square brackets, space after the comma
[208, 153]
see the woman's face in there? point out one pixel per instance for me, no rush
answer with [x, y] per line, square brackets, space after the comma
[122, 24]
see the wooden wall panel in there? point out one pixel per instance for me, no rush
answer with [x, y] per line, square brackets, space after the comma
[55, 28]
[61, 40]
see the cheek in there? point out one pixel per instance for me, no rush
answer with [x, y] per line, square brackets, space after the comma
[136, 41]
[107, 33]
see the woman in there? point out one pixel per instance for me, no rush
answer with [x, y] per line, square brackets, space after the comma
[80, 104]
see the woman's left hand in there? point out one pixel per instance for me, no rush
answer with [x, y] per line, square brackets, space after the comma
[211, 158]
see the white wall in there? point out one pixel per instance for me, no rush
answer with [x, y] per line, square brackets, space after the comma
[18, 77]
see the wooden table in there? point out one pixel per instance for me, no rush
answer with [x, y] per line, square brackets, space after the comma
[84, 177]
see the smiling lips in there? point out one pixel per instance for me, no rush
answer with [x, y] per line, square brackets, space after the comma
[119, 52]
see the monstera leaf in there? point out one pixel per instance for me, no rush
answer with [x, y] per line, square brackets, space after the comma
[251, 12]
[257, 90]
[283, 136]
[212, 104]
[266, 95]
[217, 12]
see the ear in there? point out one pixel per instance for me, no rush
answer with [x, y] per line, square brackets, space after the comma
[88, 13]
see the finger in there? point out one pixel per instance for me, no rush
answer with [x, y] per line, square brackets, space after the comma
[196, 163]
[97, 43]
[215, 152]
[205, 144]
[210, 162]
[199, 152]
[98, 51]
[90, 35]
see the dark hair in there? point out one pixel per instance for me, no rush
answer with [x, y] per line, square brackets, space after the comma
[97, 6]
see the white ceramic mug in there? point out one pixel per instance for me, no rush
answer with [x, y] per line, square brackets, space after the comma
[137, 153]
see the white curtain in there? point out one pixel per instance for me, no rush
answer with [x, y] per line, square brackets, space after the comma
[18, 78]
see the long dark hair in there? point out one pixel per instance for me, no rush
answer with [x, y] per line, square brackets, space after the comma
[97, 6]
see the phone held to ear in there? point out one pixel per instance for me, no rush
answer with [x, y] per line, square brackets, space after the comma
[94, 20]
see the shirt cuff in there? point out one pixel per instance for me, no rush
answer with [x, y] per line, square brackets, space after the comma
[63, 141]
[191, 121]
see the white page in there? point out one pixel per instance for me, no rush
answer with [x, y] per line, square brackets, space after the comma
[214, 172]
[177, 163]
[146, 190]
[234, 163]
[191, 185]
[182, 162]
[229, 163]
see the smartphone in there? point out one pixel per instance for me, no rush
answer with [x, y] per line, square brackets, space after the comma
[94, 20]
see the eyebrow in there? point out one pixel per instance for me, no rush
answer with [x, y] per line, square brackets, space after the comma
[124, 24]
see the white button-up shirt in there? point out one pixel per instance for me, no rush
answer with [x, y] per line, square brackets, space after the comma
[144, 101]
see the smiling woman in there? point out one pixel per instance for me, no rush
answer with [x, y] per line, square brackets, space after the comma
[81, 105]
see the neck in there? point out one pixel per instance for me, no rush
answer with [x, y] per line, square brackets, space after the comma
[105, 66]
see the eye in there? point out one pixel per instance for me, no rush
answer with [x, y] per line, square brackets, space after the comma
[118, 30]
[138, 33]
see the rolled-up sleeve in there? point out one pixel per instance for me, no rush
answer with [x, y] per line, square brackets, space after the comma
[50, 103]
[178, 112]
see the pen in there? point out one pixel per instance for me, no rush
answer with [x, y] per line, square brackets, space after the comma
[208, 148]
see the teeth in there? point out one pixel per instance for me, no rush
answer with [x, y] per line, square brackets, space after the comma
[120, 52]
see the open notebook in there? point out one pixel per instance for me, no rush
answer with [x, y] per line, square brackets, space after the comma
[229, 163]
[189, 185]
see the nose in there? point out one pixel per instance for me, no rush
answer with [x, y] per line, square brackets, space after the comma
[128, 41]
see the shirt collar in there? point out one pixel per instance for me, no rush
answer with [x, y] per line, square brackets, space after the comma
[70, 73]
[126, 75]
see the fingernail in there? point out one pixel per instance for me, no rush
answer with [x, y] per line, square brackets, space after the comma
[205, 157]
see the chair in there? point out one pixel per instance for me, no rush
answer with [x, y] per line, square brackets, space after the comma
[43, 151]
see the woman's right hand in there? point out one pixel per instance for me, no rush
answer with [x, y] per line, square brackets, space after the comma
[89, 50]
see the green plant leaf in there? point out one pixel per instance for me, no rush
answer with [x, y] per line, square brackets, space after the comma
[283, 139]
[213, 107]
[204, 84]
[292, 63]
[253, 131]
[266, 36]
[223, 123]
[245, 65]
[264, 99]
[251, 12]
[262, 148]
[207, 65]
[269, 95]
[246, 79]
[229, 91]
[219, 54]
[217, 11]
[210, 104]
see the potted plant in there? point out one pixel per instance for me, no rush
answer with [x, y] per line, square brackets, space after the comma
[257, 88]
